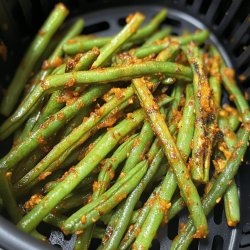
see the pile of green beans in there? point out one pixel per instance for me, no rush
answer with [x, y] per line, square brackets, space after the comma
[114, 135]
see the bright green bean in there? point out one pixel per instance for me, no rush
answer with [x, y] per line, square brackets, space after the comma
[33, 53]
[119, 39]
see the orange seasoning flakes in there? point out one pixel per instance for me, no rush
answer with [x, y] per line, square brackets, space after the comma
[121, 196]
[200, 233]
[108, 122]
[52, 64]
[164, 205]
[129, 18]
[111, 174]
[44, 84]
[70, 83]
[44, 175]
[34, 200]
[107, 235]
[60, 116]
[96, 186]
[242, 77]
[118, 92]
[71, 41]
[182, 227]
[83, 219]
[231, 223]
[40, 139]
[230, 73]
[122, 175]
[41, 32]
[69, 64]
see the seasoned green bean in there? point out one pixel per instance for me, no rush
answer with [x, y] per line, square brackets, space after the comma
[33, 53]
[202, 94]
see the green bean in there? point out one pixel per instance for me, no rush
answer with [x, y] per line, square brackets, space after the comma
[125, 216]
[98, 76]
[233, 117]
[1, 204]
[30, 123]
[188, 189]
[83, 240]
[231, 140]
[33, 53]
[55, 219]
[51, 107]
[78, 154]
[150, 27]
[215, 85]
[107, 51]
[134, 229]
[169, 185]
[113, 221]
[231, 198]
[90, 213]
[10, 203]
[184, 238]
[162, 33]
[103, 182]
[239, 100]
[142, 144]
[231, 205]
[155, 148]
[202, 109]
[177, 206]
[106, 218]
[51, 65]
[229, 135]
[142, 33]
[199, 37]
[170, 52]
[8, 200]
[85, 185]
[215, 77]
[98, 233]
[84, 61]
[72, 201]
[85, 45]
[49, 127]
[26, 164]
[53, 104]
[73, 158]
[110, 165]
[18, 124]
[81, 170]
[76, 121]
[39, 236]
[175, 105]
[159, 208]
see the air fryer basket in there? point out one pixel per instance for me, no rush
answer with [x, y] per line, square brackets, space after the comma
[229, 24]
